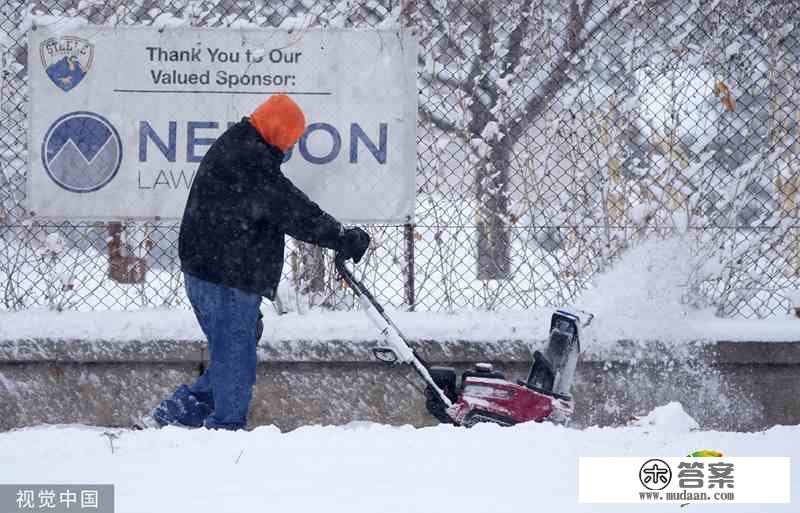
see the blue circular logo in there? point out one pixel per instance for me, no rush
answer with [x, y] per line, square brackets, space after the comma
[82, 151]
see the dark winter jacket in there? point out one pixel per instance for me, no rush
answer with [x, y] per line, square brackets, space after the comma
[239, 208]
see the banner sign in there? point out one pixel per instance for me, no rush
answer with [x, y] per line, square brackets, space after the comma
[120, 117]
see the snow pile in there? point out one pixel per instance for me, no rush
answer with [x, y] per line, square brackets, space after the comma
[793, 295]
[163, 324]
[670, 418]
[360, 467]
[169, 20]
[116, 325]
[58, 25]
[299, 22]
[55, 243]
[530, 326]
[5, 41]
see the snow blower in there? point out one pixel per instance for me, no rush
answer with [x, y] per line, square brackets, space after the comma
[484, 394]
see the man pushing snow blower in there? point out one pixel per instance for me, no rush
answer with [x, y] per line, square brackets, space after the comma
[231, 247]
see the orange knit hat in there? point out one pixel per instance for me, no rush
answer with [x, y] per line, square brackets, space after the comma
[280, 121]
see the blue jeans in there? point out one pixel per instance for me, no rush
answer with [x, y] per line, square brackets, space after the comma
[220, 397]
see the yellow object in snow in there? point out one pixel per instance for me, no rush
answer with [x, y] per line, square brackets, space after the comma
[705, 453]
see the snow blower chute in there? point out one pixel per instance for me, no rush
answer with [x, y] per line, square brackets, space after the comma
[484, 394]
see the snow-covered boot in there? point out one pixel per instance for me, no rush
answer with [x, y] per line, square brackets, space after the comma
[145, 422]
[181, 409]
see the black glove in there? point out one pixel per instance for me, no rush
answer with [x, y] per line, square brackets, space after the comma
[354, 243]
[259, 327]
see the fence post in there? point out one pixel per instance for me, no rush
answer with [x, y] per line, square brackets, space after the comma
[408, 285]
[408, 9]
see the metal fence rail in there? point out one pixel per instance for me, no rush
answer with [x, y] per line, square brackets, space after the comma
[552, 137]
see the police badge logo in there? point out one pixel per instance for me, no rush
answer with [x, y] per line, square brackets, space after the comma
[66, 60]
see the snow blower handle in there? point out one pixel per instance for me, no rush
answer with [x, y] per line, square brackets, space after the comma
[399, 350]
[359, 289]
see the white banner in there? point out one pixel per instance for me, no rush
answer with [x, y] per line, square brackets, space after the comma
[120, 117]
[683, 480]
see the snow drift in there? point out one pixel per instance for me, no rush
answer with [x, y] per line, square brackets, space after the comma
[364, 467]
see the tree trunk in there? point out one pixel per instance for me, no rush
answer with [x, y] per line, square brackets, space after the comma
[312, 265]
[491, 173]
[494, 244]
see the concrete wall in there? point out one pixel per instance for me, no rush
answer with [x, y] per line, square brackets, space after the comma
[728, 386]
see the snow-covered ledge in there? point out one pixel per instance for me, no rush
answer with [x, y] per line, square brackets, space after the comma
[103, 368]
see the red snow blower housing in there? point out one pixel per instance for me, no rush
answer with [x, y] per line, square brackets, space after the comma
[484, 394]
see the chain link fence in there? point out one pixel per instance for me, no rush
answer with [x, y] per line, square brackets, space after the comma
[552, 136]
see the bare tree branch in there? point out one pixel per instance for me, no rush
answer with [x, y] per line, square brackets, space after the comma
[432, 79]
[478, 77]
[587, 5]
[574, 26]
[516, 38]
[439, 122]
[450, 41]
[559, 79]
[408, 10]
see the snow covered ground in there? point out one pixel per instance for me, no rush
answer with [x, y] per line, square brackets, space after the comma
[368, 468]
